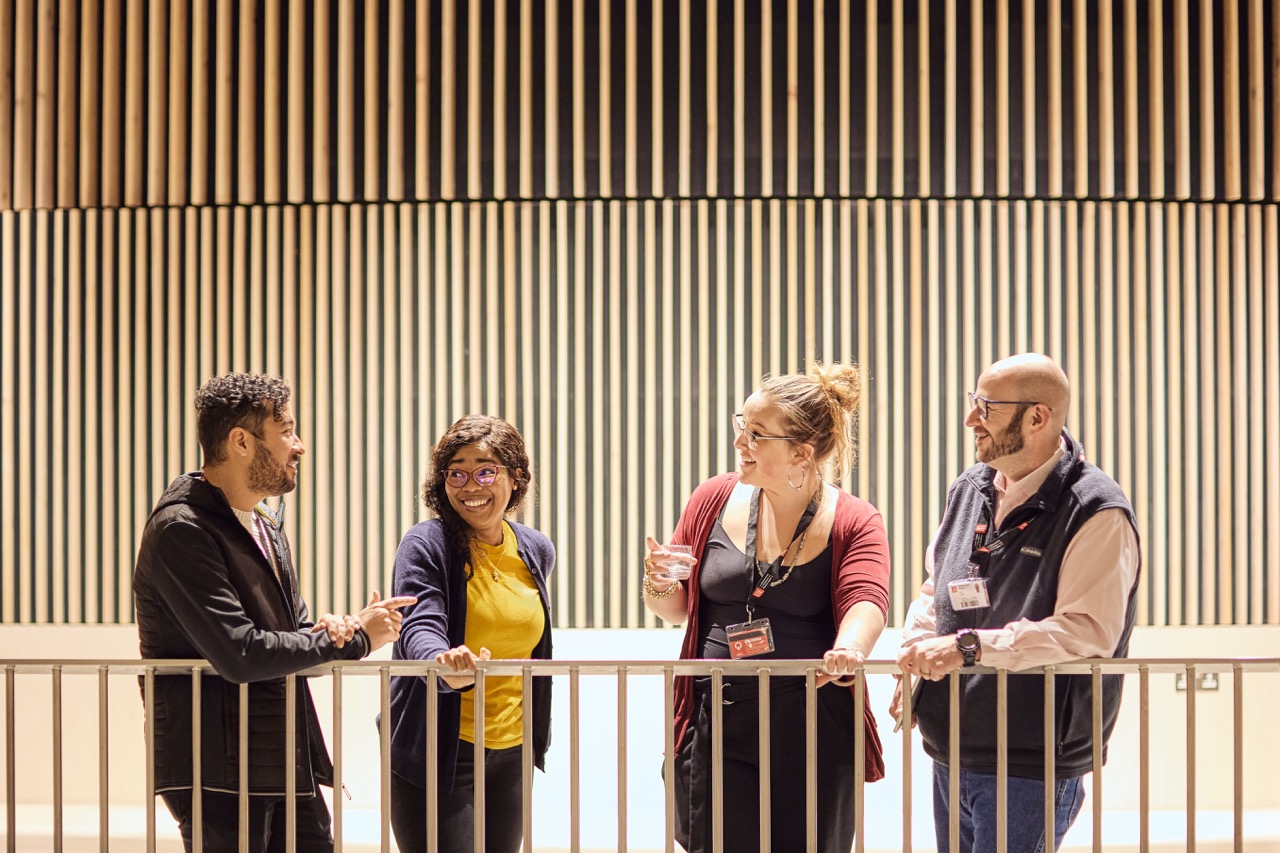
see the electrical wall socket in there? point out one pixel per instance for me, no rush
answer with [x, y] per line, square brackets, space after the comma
[1204, 681]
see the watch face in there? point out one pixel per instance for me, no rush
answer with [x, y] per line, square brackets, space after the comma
[967, 641]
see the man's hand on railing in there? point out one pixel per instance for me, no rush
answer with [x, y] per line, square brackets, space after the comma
[462, 660]
[381, 619]
[341, 628]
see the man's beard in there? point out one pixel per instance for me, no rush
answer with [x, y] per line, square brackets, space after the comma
[267, 477]
[1009, 441]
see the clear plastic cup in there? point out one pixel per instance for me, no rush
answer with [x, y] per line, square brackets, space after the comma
[681, 572]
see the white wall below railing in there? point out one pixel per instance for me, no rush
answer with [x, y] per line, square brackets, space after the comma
[598, 766]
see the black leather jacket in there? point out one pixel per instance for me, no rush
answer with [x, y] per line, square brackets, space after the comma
[204, 589]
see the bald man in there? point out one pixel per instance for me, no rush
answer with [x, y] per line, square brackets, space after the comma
[1035, 562]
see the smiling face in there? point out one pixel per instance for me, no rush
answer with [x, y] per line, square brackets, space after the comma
[765, 464]
[481, 507]
[274, 468]
[1000, 435]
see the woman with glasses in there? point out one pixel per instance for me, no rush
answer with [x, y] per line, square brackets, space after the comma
[785, 564]
[481, 585]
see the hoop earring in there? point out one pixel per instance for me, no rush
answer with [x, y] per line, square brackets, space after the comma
[802, 482]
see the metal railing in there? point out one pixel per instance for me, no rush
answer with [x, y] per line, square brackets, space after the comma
[624, 671]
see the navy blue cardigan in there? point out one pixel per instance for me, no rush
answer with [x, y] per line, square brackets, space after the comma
[426, 568]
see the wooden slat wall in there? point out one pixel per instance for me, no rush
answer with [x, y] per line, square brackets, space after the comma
[143, 86]
[599, 340]
[604, 221]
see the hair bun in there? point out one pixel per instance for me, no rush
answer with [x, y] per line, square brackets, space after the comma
[842, 383]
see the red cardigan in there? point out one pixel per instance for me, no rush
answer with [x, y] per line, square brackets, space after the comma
[860, 563]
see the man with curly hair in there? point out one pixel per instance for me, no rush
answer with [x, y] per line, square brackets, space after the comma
[215, 580]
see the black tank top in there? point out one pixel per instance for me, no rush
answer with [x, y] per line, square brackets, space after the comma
[798, 609]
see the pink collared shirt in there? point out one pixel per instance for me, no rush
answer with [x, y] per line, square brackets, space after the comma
[1097, 572]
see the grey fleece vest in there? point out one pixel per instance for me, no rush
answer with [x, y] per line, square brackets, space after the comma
[1022, 581]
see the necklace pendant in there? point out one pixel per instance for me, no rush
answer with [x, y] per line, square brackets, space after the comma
[494, 573]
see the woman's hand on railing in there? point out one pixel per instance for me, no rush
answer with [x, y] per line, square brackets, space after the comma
[462, 661]
[838, 662]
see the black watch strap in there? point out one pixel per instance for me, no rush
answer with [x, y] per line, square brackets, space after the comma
[967, 643]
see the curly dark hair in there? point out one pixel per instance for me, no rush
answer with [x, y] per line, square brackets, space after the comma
[236, 400]
[506, 443]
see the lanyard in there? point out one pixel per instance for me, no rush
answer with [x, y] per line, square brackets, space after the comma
[766, 577]
[983, 550]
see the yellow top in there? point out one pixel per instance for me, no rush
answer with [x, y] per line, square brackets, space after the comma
[504, 615]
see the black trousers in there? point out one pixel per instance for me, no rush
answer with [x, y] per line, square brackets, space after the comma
[455, 810]
[221, 822]
[741, 777]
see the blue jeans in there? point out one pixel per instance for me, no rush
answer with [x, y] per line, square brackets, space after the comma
[1025, 829]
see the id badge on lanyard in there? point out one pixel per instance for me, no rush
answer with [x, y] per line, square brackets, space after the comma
[970, 592]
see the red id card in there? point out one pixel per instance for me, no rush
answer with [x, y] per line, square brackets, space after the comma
[748, 639]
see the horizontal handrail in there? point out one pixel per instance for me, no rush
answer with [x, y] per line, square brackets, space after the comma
[1082, 666]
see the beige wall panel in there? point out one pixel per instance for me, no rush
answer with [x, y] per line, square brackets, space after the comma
[871, 50]
[499, 97]
[346, 97]
[1271, 310]
[24, 104]
[924, 112]
[68, 103]
[764, 92]
[157, 83]
[179, 106]
[275, 103]
[246, 128]
[377, 105]
[224, 40]
[1156, 97]
[135, 104]
[6, 105]
[202, 46]
[321, 106]
[10, 570]
[1106, 81]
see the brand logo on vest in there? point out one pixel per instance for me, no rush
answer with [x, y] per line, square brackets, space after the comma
[1033, 552]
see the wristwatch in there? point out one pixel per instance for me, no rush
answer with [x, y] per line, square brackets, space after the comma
[968, 643]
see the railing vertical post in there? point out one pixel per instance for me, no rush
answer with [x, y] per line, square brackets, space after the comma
[197, 768]
[953, 760]
[1096, 675]
[1191, 758]
[859, 757]
[717, 760]
[1002, 763]
[669, 756]
[1144, 759]
[908, 714]
[526, 758]
[384, 761]
[1050, 754]
[290, 764]
[1237, 683]
[622, 759]
[811, 760]
[11, 763]
[337, 758]
[575, 757]
[477, 788]
[432, 782]
[244, 768]
[104, 739]
[56, 679]
[149, 726]
[766, 773]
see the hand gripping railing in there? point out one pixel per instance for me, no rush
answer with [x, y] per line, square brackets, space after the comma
[623, 670]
